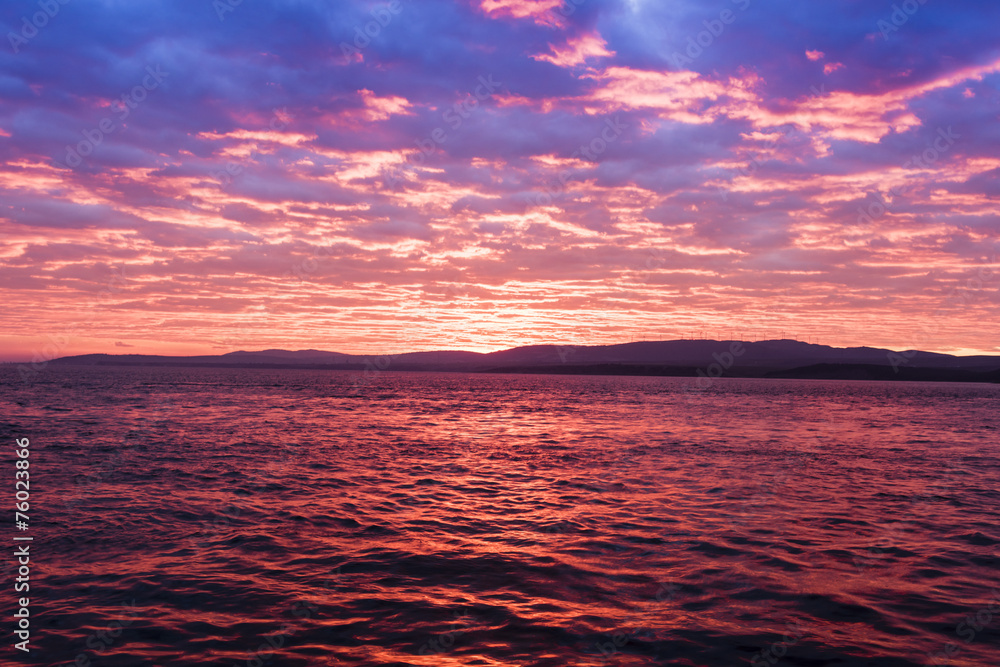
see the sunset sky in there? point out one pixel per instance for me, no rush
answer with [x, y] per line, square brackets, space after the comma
[198, 177]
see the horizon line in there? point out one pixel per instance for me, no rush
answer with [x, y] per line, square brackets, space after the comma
[36, 359]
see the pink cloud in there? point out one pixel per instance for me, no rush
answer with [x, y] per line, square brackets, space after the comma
[677, 96]
[541, 11]
[576, 50]
[381, 108]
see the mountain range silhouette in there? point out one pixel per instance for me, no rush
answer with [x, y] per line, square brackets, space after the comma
[687, 358]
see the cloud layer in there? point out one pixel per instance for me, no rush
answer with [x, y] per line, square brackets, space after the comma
[195, 176]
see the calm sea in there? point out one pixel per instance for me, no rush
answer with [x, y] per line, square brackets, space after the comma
[240, 517]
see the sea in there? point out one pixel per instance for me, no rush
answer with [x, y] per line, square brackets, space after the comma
[252, 517]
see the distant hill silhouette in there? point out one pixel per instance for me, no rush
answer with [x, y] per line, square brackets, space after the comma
[771, 358]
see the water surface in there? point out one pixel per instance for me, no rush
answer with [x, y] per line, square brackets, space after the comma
[241, 517]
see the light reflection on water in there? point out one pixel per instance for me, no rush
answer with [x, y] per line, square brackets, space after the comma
[439, 519]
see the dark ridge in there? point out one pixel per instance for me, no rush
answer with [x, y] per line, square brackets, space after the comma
[680, 358]
[601, 369]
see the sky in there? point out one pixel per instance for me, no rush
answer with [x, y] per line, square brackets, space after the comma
[199, 176]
